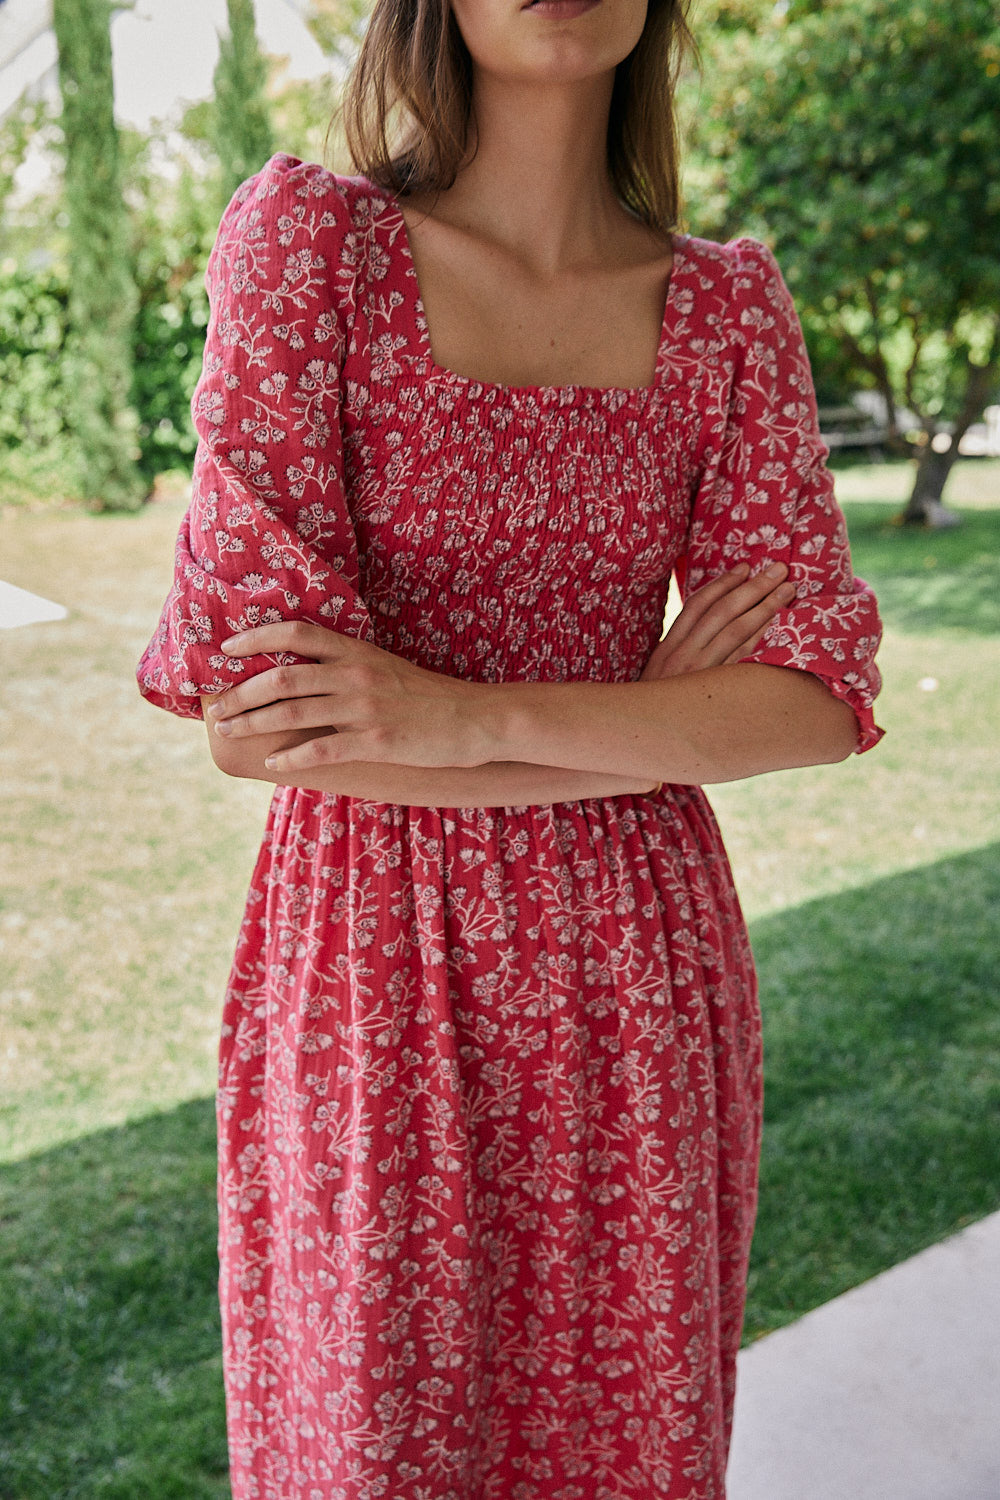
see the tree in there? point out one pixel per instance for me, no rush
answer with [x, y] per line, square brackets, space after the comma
[102, 299]
[242, 127]
[859, 138]
[338, 26]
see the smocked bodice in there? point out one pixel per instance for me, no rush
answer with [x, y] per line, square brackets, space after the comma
[505, 532]
[514, 539]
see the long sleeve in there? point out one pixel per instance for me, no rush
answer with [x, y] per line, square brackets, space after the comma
[267, 535]
[764, 491]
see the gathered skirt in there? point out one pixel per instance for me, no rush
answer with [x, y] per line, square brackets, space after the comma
[489, 1117]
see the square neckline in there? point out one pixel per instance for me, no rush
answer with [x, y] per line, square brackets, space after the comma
[435, 371]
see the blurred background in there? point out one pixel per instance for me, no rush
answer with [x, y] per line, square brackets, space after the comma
[858, 138]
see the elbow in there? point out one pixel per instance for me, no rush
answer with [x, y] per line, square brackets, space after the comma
[244, 755]
[845, 729]
[231, 759]
[231, 756]
[833, 727]
[848, 749]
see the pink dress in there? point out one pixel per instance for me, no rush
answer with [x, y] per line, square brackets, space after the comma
[489, 1093]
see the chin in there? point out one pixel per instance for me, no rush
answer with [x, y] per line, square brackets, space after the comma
[564, 59]
[544, 49]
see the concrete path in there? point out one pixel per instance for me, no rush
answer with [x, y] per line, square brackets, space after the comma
[890, 1392]
[18, 607]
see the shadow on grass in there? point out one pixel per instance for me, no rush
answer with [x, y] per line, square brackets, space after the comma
[929, 581]
[110, 1346]
[882, 1079]
[882, 1136]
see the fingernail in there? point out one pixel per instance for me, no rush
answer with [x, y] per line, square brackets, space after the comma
[231, 644]
[271, 762]
[775, 570]
[787, 591]
[224, 728]
[216, 710]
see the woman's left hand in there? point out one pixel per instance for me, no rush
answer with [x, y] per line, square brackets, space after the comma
[721, 622]
[376, 706]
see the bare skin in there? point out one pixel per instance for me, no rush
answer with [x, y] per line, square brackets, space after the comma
[532, 273]
[531, 233]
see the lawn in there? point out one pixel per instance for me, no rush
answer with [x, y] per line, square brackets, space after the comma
[871, 888]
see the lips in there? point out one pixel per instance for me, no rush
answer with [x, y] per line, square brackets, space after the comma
[563, 8]
[560, 7]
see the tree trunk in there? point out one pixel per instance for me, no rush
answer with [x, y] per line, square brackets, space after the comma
[925, 506]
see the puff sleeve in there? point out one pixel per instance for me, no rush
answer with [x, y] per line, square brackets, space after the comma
[764, 491]
[267, 536]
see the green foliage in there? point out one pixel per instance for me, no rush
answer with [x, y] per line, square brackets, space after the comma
[32, 225]
[172, 222]
[862, 137]
[102, 302]
[241, 123]
[338, 26]
[173, 228]
[17, 128]
[300, 111]
[38, 452]
[858, 137]
[122, 375]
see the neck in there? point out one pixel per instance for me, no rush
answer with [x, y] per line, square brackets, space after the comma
[539, 182]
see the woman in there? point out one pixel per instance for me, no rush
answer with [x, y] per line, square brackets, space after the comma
[489, 1096]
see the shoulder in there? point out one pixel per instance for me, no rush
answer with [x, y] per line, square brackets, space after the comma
[738, 270]
[726, 263]
[285, 183]
[746, 296]
[293, 208]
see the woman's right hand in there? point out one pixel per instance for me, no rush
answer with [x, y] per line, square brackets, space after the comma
[721, 621]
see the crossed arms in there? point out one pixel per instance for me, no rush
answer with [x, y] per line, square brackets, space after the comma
[364, 723]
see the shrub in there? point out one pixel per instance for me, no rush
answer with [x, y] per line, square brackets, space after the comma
[38, 454]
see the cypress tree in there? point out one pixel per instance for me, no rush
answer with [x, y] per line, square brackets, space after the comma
[103, 299]
[243, 139]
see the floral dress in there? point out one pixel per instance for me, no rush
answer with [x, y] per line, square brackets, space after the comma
[489, 1096]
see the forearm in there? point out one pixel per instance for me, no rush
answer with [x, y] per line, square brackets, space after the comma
[494, 784]
[697, 728]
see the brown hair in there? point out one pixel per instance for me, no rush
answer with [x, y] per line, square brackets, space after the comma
[413, 81]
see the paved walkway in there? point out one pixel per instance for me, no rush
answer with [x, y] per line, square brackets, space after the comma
[890, 1392]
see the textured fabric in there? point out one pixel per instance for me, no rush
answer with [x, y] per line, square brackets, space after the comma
[489, 1078]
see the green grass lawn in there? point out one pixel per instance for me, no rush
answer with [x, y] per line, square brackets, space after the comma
[882, 1079]
[109, 1336]
[871, 887]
